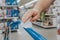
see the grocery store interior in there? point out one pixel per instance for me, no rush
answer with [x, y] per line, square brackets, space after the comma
[44, 28]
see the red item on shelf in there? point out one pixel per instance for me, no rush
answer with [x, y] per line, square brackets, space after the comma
[58, 31]
[4, 14]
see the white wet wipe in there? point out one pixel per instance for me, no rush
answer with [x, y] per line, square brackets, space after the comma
[27, 24]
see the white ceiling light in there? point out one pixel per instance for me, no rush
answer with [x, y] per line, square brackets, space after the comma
[18, 0]
[29, 4]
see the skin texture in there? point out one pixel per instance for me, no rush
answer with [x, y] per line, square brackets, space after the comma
[39, 7]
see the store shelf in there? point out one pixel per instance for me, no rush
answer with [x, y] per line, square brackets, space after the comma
[8, 17]
[50, 14]
[56, 5]
[41, 25]
[8, 5]
[47, 26]
[14, 30]
[38, 20]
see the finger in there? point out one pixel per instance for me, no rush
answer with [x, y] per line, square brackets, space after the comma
[26, 16]
[31, 19]
[34, 18]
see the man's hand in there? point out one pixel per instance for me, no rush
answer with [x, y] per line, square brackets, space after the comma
[33, 14]
[40, 6]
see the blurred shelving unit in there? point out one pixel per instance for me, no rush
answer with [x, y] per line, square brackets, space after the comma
[8, 6]
[9, 15]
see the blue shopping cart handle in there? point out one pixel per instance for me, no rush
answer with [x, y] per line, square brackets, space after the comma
[34, 34]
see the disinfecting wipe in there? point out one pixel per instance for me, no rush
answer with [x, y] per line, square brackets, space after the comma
[21, 31]
[27, 24]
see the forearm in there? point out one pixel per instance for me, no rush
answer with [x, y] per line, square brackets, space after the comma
[42, 4]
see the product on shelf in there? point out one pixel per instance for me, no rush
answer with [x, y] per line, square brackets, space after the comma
[5, 13]
[1, 26]
[11, 2]
[42, 16]
[1, 12]
[2, 2]
[13, 25]
[8, 12]
[46, 19]
[58, 25]
[12, 13]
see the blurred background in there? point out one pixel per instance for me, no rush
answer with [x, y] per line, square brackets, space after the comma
[44, 28]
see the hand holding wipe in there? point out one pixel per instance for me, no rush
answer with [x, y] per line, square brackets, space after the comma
[27, 24]
[23, 25]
